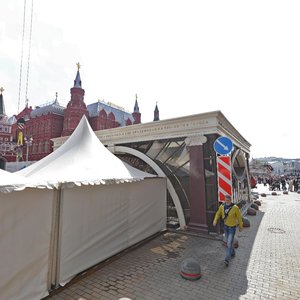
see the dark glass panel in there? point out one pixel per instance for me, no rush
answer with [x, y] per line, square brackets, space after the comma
[172, 157]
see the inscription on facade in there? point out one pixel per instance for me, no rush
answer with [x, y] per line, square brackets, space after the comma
[153, 129]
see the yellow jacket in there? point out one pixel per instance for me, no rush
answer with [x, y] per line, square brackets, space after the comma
[234, 217]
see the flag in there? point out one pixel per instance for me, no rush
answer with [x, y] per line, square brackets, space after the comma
[20, 138]
[268, 168]
[21, 123]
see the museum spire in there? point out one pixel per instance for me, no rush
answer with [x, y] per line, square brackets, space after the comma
[2, 108]
[136, 106]
[77, 81]
[156, 113]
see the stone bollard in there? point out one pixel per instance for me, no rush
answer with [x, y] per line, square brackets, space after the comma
[255, 206]
[274, 194]
[190, 269]
[251, 211]
[285, 192]
[263, 195]
[246, 222]
[257, 202]
[235, 242]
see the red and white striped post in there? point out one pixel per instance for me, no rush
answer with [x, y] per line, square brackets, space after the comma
[224, 177]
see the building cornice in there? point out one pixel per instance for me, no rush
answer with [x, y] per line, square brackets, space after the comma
[187, 126]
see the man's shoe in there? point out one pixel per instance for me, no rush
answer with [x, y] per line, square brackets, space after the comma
[226, 262]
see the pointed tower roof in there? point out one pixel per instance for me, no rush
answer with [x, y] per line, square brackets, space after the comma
[156, 113]
[136, 106]
[2, 107]
[77, 81]
[56, 96]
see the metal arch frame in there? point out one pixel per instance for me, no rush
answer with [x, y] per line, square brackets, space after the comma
[246, 171]
[234, 156]
[159, 172]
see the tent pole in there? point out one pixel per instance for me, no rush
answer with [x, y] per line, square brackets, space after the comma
[53, 241]
[59, 229]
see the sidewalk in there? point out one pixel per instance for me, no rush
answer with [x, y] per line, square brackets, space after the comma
[267, 264]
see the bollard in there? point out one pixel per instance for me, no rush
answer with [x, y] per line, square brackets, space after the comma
[190, 269]
[246, 222]
[257, 202]
[255, 206]
[251, 211]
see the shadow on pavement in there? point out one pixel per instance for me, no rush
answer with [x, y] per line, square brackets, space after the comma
[151, 271]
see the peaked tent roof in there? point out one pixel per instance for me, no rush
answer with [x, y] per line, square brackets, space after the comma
[82, 159]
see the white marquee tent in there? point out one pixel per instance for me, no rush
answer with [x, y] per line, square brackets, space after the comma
[25, 231]
[82, 160]
[87, 217]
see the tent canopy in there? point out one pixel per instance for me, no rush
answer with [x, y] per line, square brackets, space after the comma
[82, 159]
[12, 182]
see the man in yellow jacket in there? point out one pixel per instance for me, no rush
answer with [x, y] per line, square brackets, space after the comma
[231, 215]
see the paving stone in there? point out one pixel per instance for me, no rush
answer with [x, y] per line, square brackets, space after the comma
[266, 266]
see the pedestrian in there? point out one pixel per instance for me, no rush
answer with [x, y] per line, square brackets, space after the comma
[291, 184]
[296, 185]
[231, 215]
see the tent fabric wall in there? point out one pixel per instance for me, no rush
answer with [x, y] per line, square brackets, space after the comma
[147, 209]
[100, 221]
[25, 229]
[97, 221]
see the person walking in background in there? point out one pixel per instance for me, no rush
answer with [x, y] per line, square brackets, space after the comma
[231, 215]
[296, 186]
[291, 184]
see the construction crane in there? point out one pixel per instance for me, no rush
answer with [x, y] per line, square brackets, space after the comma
[22, 51]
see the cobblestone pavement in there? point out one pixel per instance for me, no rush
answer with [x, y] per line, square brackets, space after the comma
[267, 264]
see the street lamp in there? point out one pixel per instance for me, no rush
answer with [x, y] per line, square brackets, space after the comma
[28, 140]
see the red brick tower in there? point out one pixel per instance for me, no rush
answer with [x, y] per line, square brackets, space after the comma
[76, 107]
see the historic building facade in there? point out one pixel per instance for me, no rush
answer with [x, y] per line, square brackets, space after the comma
[30, 132]
[181, 149]
[6, 136]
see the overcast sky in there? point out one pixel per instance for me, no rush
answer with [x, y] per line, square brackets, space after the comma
[240, 57]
